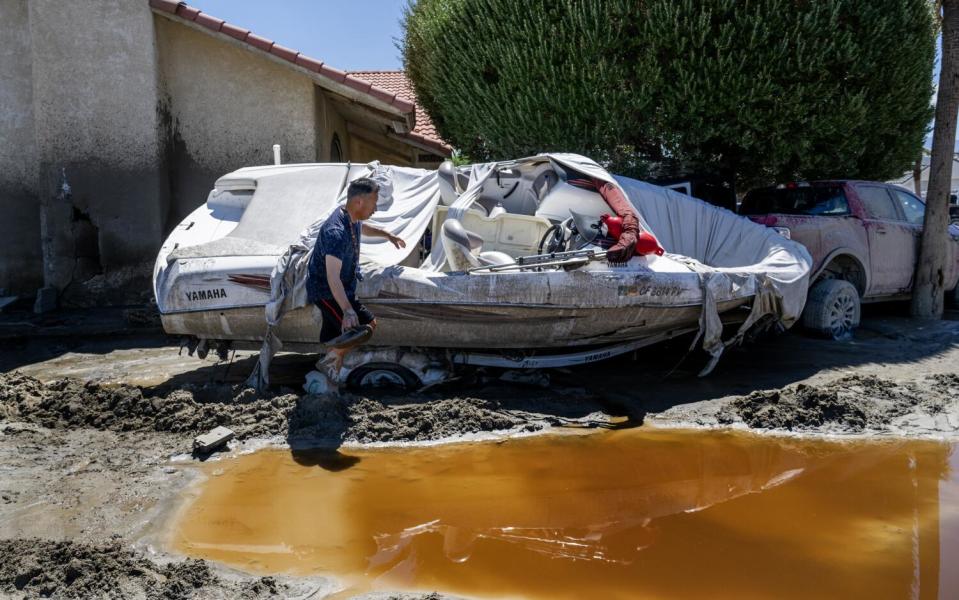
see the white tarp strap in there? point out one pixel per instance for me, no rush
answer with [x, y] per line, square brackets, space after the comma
[765, 302]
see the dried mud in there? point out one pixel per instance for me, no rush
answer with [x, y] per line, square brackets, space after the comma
[192, 409]
[852, 404]
[76, 570]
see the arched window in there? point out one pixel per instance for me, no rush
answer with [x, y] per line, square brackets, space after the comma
[336, 151]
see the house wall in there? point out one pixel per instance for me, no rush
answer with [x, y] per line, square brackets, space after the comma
[331, 123]
[224, 107]
[138, 114]
[21, 262]
[94, 100]
[364, 149]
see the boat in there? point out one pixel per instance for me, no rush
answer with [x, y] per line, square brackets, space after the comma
[506, 263]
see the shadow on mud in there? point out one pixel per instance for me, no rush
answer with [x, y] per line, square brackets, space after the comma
[325, 458]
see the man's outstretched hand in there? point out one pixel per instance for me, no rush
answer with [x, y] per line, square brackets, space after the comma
[396, 241]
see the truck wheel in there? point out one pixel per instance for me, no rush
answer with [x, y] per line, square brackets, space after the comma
[832, 309]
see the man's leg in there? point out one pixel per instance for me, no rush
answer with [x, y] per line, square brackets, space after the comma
[365, 317]
[332, 327]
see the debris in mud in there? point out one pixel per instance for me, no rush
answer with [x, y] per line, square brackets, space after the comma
[850, 404]
[76, 570]
[213, 439]
[322, 420]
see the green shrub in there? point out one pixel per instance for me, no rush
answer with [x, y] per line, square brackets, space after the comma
[504, 79]
[763, 89]
[774, 90]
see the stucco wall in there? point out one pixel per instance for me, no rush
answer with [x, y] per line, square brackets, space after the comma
[226, 106]
[95, 98]
[138, 114]
[21, 264]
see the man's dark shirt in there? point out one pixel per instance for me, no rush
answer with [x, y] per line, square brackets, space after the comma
[335, 239]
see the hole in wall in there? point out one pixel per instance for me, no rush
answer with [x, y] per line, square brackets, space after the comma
[86, 246]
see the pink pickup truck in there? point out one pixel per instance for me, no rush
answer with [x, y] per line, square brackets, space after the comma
[864, 240]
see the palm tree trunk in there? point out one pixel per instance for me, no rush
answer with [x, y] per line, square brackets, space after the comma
[927, 291]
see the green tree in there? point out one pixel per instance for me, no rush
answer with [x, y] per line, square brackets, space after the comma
[774, 90]
[763, 89]
[503, 79]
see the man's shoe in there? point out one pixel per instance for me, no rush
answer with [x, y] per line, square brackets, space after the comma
[353, 337]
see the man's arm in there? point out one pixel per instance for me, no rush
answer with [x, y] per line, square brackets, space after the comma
[376, 232]
[333, 267]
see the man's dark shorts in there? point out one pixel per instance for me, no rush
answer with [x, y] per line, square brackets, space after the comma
[333, 317]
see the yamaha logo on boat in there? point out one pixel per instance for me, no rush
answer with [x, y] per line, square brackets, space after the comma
[214, 294]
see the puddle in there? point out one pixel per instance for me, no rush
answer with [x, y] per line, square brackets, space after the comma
[616, 515]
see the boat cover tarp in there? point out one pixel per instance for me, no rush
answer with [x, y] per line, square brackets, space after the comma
[727, 251]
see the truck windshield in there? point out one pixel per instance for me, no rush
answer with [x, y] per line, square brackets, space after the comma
[818, 200]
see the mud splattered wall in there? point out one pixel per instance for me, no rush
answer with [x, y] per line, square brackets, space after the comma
[224, 107]
[115, 122]
[21, 262]
[94, 88]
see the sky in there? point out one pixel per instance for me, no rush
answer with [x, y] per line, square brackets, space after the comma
[352, 35]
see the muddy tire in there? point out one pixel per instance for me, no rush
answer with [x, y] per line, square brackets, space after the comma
[382, 374]
[832, 309]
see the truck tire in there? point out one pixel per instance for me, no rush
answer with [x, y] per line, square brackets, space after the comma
[832, 309]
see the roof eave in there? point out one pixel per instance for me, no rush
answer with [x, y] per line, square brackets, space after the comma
[418, 140]
[335, 81]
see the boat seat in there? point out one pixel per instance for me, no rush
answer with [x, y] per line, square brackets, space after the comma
[464, 248]
[515, 235]
[452, 183]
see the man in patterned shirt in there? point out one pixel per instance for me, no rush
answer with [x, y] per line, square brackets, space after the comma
[334, 267]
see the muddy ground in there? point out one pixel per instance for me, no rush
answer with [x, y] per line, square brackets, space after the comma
[95, 435]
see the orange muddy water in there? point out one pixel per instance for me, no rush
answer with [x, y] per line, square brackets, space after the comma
[623, 514]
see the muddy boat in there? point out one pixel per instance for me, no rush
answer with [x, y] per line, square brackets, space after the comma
[503, 260]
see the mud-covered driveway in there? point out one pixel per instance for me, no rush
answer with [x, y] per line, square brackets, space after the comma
[95, 433]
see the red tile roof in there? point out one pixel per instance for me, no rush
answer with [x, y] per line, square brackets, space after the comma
[397, 83]
[189, 13]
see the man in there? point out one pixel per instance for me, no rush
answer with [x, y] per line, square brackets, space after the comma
[334, 268]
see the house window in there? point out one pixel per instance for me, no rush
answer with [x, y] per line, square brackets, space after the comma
[336, 151]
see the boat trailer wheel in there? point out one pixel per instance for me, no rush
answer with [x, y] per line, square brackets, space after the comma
[382, 374]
